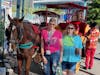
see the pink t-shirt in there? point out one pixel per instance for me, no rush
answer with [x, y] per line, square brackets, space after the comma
[54, 44]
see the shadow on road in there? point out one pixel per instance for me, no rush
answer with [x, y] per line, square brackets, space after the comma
[36, 68]
[85, 71]
[96, 58]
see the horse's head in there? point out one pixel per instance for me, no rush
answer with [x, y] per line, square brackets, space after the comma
[15, 21]
[23, 32]
[16, 31]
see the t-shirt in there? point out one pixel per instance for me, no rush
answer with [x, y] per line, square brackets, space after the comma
[70, 43]
[92, 38]
[54, 44]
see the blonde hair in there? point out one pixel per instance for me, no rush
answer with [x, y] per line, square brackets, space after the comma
[52, 20]
[67, 28]
[70, 25]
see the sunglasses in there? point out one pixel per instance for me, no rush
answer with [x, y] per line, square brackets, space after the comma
[51, 24]
[70, 28]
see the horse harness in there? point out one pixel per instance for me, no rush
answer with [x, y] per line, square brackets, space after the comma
[20, 36]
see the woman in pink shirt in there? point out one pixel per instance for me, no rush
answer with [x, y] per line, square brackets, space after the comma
[51, 47]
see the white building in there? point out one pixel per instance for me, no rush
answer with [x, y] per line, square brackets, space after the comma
[7, 6]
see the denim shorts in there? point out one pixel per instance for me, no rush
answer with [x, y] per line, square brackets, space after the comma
[69, 66]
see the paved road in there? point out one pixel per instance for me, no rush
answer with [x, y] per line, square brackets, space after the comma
[96, 69]
[11, 62]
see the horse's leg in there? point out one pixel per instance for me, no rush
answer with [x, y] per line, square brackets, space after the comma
[19, 65]
[28, 63]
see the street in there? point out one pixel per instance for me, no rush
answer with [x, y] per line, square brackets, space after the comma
[96, 69]
[10, 63]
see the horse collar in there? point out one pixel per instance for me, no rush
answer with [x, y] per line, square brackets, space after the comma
[26, 45]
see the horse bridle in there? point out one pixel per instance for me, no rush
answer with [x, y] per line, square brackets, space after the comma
[20, 37]
[13, 40]
[19, 34]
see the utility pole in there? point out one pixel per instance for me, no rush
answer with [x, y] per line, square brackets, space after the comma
[85, 11]
[18, 9]
[23, 2]
[0, 9]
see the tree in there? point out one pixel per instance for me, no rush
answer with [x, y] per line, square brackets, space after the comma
[1, 33]
[94, 10]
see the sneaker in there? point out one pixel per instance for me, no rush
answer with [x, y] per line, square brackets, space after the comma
[85, 68]
[90, 68]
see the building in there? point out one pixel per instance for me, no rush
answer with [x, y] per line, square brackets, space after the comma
[6, 7]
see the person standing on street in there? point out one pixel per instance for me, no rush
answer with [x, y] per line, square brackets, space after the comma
[72, 46]
[51, 47]
[91, 44]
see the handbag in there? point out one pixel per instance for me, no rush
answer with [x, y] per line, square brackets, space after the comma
[59, 69]
[38, 58]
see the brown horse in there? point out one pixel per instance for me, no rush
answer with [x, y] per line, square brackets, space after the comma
[25, 39]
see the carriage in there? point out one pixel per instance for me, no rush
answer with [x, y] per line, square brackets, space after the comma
[70, 13]
[73, 13]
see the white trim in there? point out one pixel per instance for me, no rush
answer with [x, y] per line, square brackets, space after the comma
[56, 1]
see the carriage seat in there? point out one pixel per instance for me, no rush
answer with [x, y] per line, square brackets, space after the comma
[35, 28]
[63, 25]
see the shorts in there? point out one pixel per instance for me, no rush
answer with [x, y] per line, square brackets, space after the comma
[69, 66]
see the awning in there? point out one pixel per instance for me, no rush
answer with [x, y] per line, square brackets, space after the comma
[45, 12]
[66, 6]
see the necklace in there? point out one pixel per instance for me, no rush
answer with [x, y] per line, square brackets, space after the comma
[50, 34]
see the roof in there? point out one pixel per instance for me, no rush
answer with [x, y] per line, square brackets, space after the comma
[65, 5]
[44, 12]
[56, 1]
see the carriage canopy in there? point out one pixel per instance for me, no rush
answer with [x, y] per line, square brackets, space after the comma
[66, 6]
[44, 12]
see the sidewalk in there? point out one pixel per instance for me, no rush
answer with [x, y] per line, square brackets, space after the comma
[96, 69]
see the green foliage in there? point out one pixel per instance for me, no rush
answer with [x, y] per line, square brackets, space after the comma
[13, 8]
[94, 10]
[98, 21]
[1, 33]
[58, 11]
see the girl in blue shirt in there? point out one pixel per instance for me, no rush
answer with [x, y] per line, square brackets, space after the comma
[72, 46]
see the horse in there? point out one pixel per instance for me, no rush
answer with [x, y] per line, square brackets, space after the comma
[25, 40]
